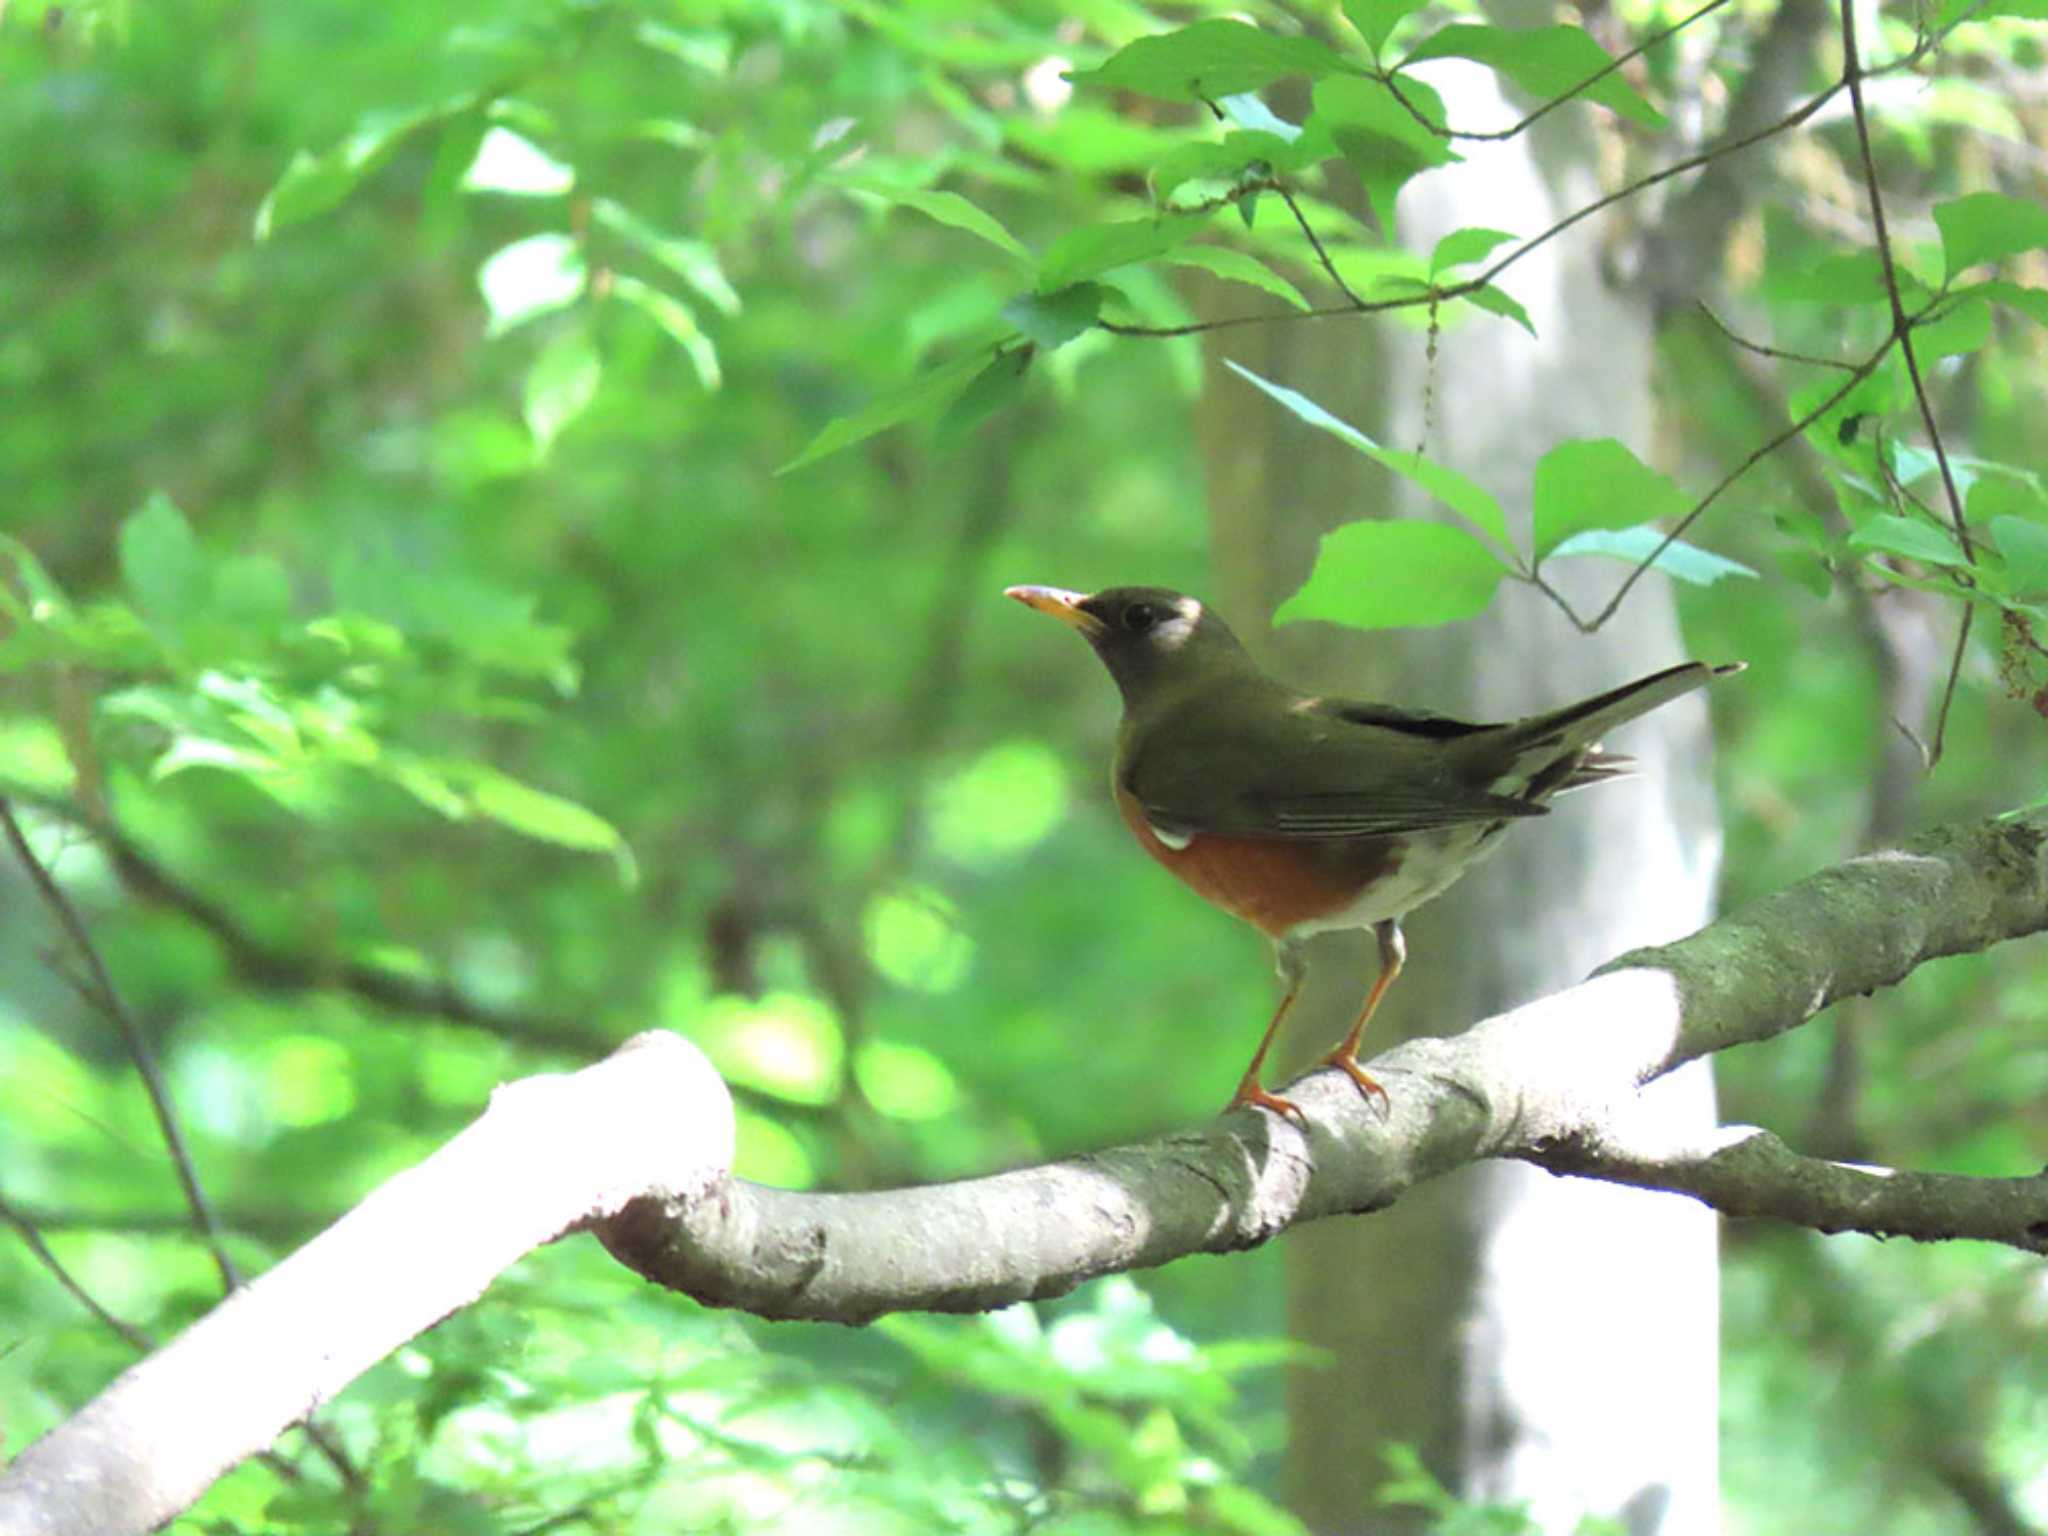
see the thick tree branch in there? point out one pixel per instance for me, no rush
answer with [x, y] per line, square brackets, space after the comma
[549, 1154]
[1552, 1081]
[637, 1149]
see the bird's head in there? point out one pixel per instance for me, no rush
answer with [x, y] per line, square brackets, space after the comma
[1146, 636]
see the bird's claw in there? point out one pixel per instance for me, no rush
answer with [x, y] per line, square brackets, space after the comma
[1367, 1083]
[1250, 1093]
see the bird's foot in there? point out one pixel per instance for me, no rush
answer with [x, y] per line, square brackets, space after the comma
[1249, 1092]
[1368, 1085]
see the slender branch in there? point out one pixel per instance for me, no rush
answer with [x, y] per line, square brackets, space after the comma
[275, 968]
[1902, 330]
[1391, 81]
[133, 1336]
[1315, 244]
[1755, 457]
[1778, 354]
[1748, 1172]
[109, 1002]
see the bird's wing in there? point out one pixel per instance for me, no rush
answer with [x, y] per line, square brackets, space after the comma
[1324, 769]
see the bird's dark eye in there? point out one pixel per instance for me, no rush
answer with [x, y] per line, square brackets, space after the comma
[1140, 617]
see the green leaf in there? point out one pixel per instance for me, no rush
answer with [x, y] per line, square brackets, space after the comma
[1547, 62]
[560, 386]
[948, 208]
[674, 317]
[1852, 277]
[924, 396]
[1054, 319]
[1498, 301]
[1597, 484]
[2024, 544]
[1395, 574]
[1890, 534]
[1385, 142]
[1236, 266]
[1960, 328]
[1462, 246]
[1444, 483]
[694, 261]
[312, 184]
[1687, 562]
[537, 814]
[1376, 19]
[511, 163]
[531, 277]
[1094, 249]
[1210, 60]
[1234, 157]
[162, 565]
[2031, 302]
[990, 391]
[1987, 226]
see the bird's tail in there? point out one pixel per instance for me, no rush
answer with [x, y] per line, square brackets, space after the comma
[1568, 735]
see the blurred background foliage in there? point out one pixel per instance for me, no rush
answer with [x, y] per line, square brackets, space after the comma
[417, 675]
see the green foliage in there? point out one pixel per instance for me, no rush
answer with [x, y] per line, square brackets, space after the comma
[394, 404]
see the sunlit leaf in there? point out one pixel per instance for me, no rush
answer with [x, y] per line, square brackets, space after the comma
[1376, 19]
[530, 277]
[913, 941]
[1633, 546]
[1597, 484]
[1988, 226]
[1910, 537]
[1093, 249]
[787, 1043]
[676, 321]
[905, 1082]
[1386, 139]
[2024, 544]
[1960, 328]
[1238, 267]
[1463, 246]
[1547, 62]
[511, 163]
[1054, 319]
[694, 261]
[560, 386]
[1454, 490]
[1209, 60]
[948, 208]
[990, 391]
[312, 184]
[162, 564]
[926, 396]
[1394, 574]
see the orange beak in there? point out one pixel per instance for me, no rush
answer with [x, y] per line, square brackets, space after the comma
[1062, 605]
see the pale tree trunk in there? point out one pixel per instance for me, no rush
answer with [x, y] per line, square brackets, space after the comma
[1540, 1340]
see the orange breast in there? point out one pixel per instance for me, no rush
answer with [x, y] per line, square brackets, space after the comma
[1272, 883]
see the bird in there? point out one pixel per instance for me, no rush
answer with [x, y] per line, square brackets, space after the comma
[1302, 814]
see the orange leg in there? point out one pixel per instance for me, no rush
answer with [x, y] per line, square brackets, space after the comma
[1292, 969]
[1344, 1055]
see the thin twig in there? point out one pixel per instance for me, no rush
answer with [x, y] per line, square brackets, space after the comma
[133, 1336]
[1471, 285]
[109, 1002]
[1902, 330]
[1539, 113]
[1760, 349]
[1316, 244]
[1755, 457]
